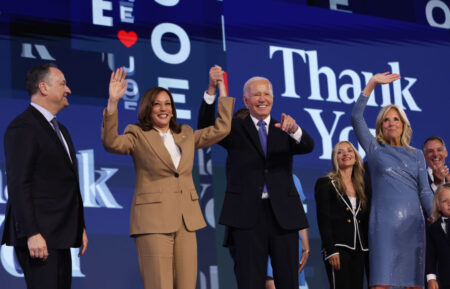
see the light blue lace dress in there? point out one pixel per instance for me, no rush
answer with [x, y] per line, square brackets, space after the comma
[400, 189]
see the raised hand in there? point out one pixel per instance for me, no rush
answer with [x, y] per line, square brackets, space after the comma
[287, 124]
[117, 88]
[117, 84]
[385, 77]
[215, 75]
[380, 78]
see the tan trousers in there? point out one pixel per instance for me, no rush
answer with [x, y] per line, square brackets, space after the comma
[168, 261]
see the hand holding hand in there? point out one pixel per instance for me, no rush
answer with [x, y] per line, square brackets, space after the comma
[38, 247]
[287, 124]
[335, 262]
[215, 76]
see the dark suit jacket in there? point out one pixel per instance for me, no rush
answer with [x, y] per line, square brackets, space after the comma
[438, 253]
[339, 226]
[44, 193]
[248, 170]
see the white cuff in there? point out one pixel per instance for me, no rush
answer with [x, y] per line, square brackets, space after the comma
[209, 99]
[297, 135]
[431, 277]
[331, 255]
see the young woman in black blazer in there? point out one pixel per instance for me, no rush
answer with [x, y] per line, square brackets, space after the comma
[342, 216]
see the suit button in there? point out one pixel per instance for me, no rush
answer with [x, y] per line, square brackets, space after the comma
[359, 221]
[347, 209]
[349, 221]
[176, 175]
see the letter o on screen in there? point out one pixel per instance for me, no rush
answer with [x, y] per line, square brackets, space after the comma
[431, 5]
[185, 43]
[167, 3]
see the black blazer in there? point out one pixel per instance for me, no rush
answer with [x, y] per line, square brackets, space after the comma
[248, 170]
[438, 253]
[44, 193]
[339, 226]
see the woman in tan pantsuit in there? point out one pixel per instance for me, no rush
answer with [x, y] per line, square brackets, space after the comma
[165, 212]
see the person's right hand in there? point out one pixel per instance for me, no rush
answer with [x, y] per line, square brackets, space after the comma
[440, 173]
[385, 78]
[38, 247]
[117, 84]
[380, 78]
[215, 75]
[335, 262]
[433, 284]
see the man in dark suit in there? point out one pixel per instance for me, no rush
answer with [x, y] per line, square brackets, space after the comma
[262, 208]
[44, 215]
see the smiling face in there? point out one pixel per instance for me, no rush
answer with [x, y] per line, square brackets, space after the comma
[162, 111]
[444, 202]
[435, 153]
[259, 98]
[392, 126]
[345, 156]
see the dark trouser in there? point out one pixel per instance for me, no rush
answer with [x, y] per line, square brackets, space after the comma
[250, 249]
[351, 273]
[53, 273]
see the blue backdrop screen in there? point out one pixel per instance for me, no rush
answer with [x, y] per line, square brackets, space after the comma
[318, 55]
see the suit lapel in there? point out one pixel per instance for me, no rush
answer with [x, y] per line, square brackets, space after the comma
[274, 135]
[343, 197]
[180, 139]
[52, 134]
[155, 141]
[72, 152]
[249, 126]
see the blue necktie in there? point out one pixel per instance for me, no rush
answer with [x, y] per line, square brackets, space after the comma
[263, 139]
[263, 135]
[59, 134]
[57, 130]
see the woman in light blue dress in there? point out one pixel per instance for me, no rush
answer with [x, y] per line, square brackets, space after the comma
[399, 191]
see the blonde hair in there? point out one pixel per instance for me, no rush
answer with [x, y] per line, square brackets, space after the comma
[405, 139]
[357, 174]
[436, 207]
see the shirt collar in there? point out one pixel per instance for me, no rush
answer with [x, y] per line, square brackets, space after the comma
[163, 133]
[47, 114]
[430, 173]
[266, 120]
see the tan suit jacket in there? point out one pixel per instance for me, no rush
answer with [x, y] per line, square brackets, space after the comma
[164, 196]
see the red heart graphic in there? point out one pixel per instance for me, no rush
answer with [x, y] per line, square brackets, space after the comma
[127, 38]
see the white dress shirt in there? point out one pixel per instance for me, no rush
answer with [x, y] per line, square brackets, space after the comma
[430, 174]
[171, 146]
[49, 116]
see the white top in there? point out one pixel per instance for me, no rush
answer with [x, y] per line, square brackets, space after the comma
[49, 116]
[171, 146]
[353, 202]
